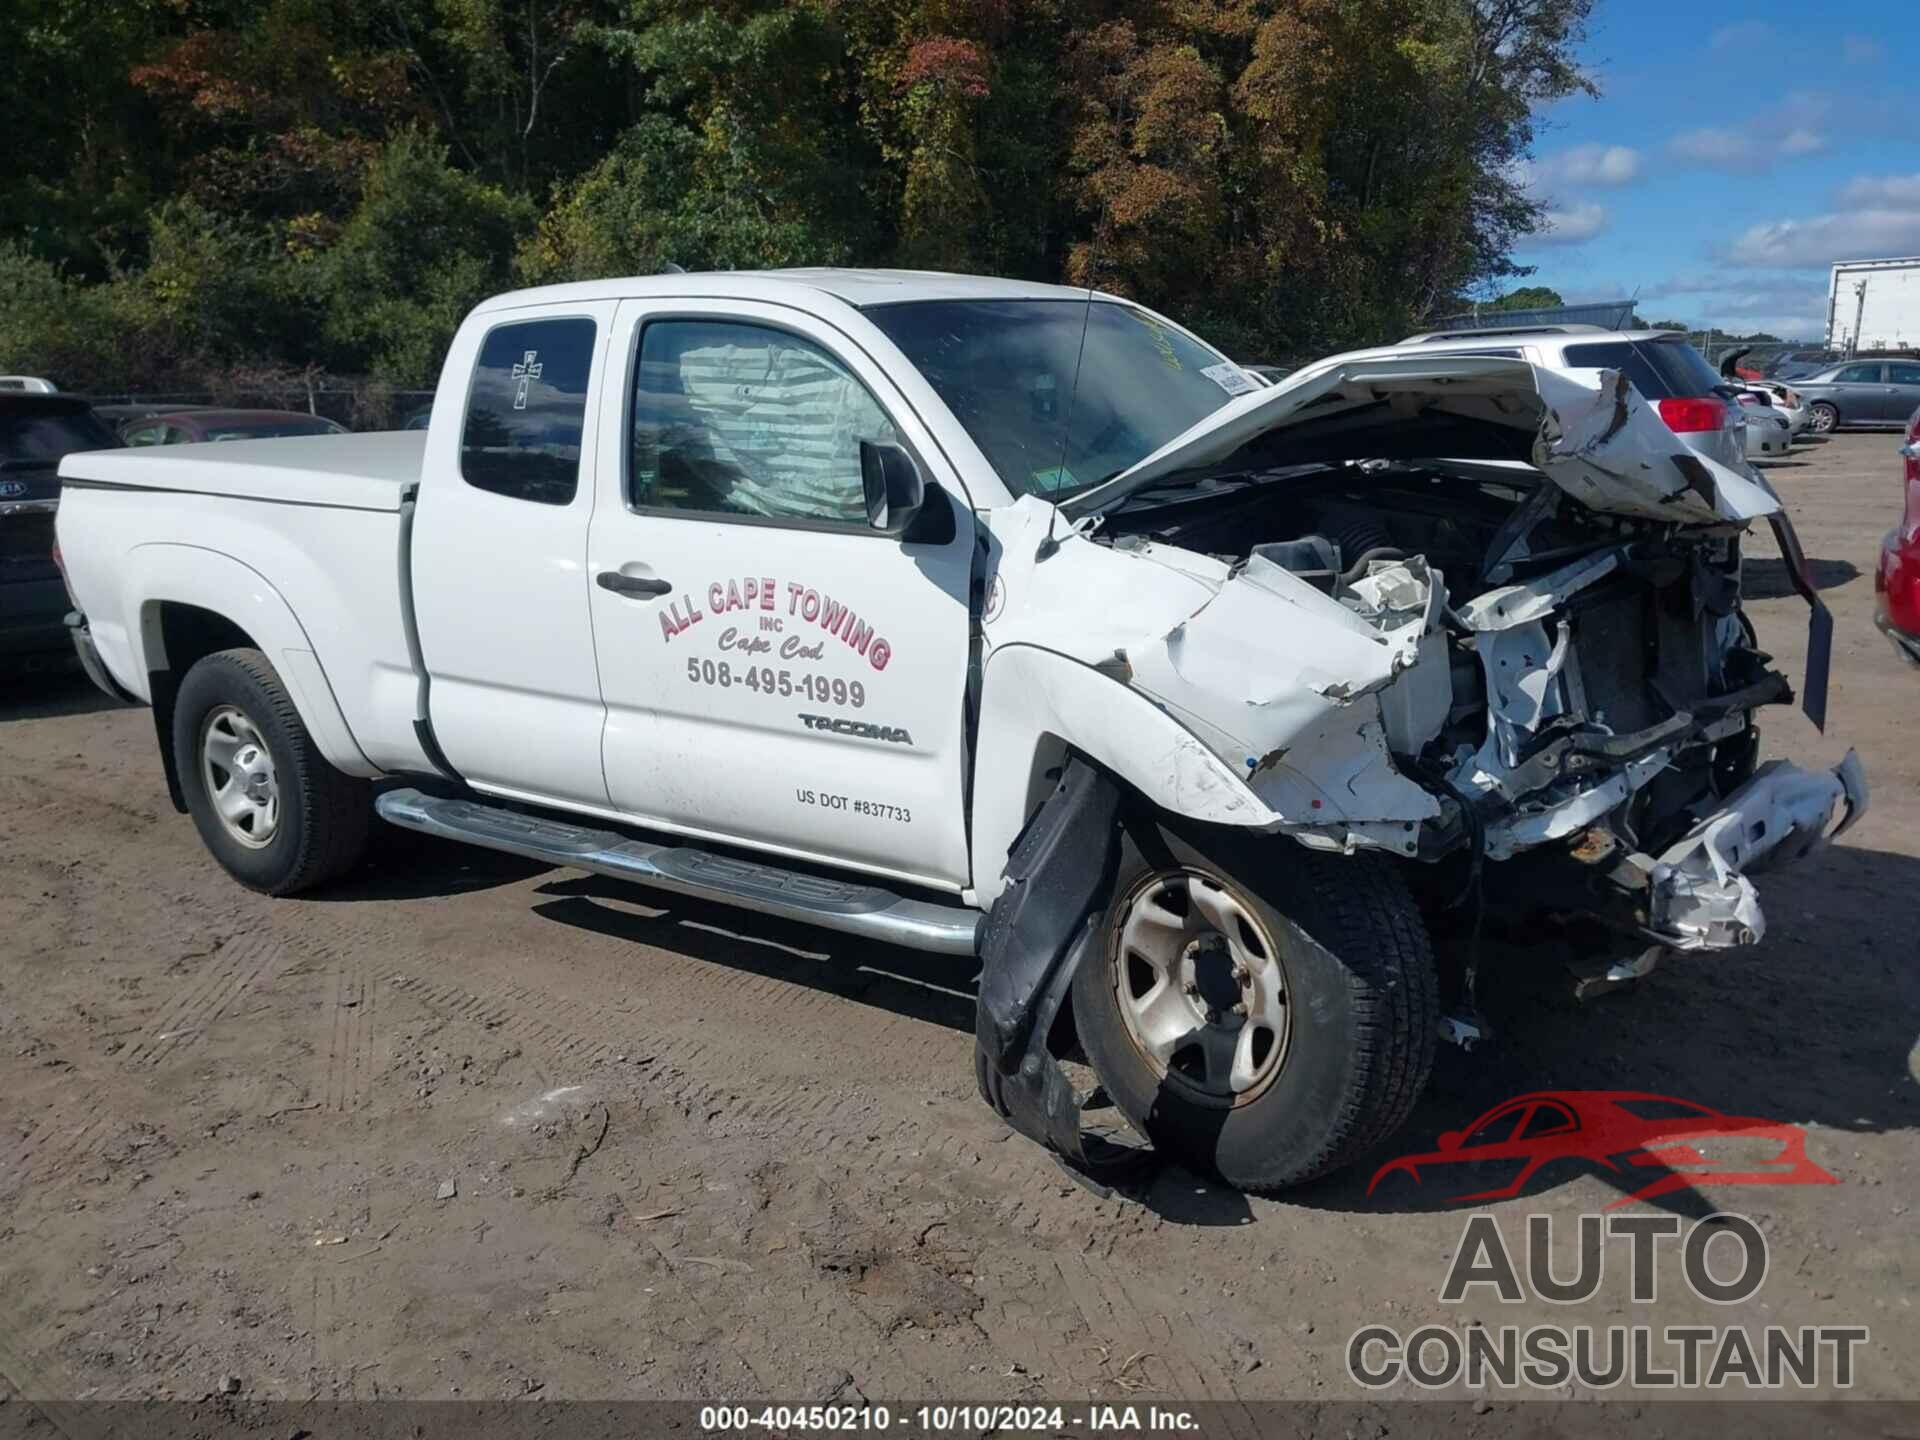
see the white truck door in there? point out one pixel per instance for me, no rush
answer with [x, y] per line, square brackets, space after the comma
[499, 549]
[776, 673]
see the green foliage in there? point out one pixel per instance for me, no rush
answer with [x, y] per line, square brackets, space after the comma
[1527, 297]
[51, 326]
[425, 244]
[228, 185]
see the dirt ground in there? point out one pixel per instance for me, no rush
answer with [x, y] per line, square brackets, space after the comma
[468, 1127]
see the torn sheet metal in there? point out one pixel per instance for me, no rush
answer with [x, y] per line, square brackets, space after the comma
[1570, 816]
[1701, 897]
[1512, 605]
[1592, 434]
[1604, 445]
[1281, 679]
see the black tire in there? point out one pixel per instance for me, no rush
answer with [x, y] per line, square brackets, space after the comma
[1363, 1009]
[323, 816]
[1826, 418]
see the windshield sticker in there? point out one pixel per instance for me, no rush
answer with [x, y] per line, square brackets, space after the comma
[1054, 477]
[524, 374]
[1168, 356]
[1230, 378]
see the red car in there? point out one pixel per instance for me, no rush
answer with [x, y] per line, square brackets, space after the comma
[1897, 583]
[200, 424]
[1615, 1130]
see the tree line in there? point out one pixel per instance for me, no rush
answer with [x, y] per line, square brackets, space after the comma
[204, 189]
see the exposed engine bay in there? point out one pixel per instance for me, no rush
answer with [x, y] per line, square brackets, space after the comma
[1524, 667]
[1574, 690]
[1599, 639]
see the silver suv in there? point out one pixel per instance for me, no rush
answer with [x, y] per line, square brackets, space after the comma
[1674, 377]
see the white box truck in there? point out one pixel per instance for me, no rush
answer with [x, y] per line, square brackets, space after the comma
[1874, 305]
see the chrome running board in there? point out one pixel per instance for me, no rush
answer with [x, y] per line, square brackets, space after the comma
[851, 907]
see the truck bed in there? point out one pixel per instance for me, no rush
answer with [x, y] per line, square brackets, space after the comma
[355, 472]
[297, 540]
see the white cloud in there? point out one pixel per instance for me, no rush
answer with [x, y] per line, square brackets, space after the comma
[1795, 127]
[1744, 151]
[1601, 165]
[1820, 240]
[1891, 192]
[1570, 225]
[1783, 304]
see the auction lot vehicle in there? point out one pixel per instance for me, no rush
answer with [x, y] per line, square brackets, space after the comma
[1001, 619]
[1896, 582]
[37, 427]
[1698, 405]
[1769, 435]
[1871, 394]
[202, 423]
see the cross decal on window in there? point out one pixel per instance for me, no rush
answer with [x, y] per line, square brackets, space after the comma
[527, 371]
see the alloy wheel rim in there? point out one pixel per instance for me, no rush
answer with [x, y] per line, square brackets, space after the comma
[236, 766]
[1202, 989]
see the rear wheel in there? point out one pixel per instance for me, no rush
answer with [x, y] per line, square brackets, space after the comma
[1260, 1010]
[265, 800]
[1826, 419]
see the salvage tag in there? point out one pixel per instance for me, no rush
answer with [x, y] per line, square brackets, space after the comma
[1230, 378]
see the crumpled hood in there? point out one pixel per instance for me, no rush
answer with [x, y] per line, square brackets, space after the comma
[1588, 431]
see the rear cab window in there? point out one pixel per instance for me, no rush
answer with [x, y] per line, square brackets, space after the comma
[527, 409]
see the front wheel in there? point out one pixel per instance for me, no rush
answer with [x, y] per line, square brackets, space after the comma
[1826, 419]
[1261, 1010]
[265, 800]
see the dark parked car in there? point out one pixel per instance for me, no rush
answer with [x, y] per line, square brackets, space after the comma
[1867, 393]
[1897, 582]
[192, 426]
[36, 430]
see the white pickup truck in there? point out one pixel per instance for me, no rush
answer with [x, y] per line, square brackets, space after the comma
[1219, 719]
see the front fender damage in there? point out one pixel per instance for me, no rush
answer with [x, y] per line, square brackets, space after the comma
[1311, 698]
[1038, 934]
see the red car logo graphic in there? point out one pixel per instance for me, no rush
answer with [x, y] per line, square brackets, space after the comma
[1619, 1130]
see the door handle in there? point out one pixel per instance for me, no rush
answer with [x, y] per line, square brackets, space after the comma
[630, 584]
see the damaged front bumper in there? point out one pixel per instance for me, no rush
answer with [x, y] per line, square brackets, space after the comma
[1698, 894]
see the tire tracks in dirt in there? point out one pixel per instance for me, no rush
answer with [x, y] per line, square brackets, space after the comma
[240, 965]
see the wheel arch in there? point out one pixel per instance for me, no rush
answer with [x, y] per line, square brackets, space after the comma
[1037, 706]
[195, 602]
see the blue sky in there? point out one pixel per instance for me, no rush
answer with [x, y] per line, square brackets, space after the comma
[1735, 152]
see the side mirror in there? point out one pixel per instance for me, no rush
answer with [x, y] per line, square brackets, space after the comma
[895, 490]
[1450, 1140]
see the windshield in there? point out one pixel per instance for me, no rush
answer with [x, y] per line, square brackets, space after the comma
[1006, 369]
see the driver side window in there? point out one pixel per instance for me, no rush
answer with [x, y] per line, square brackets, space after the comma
[736, 419]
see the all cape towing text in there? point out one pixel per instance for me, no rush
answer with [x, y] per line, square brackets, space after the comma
[762, 594]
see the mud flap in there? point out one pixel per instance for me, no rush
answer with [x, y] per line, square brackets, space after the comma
[1044, 926]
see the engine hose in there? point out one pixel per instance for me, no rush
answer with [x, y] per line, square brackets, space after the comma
[1358, 570]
